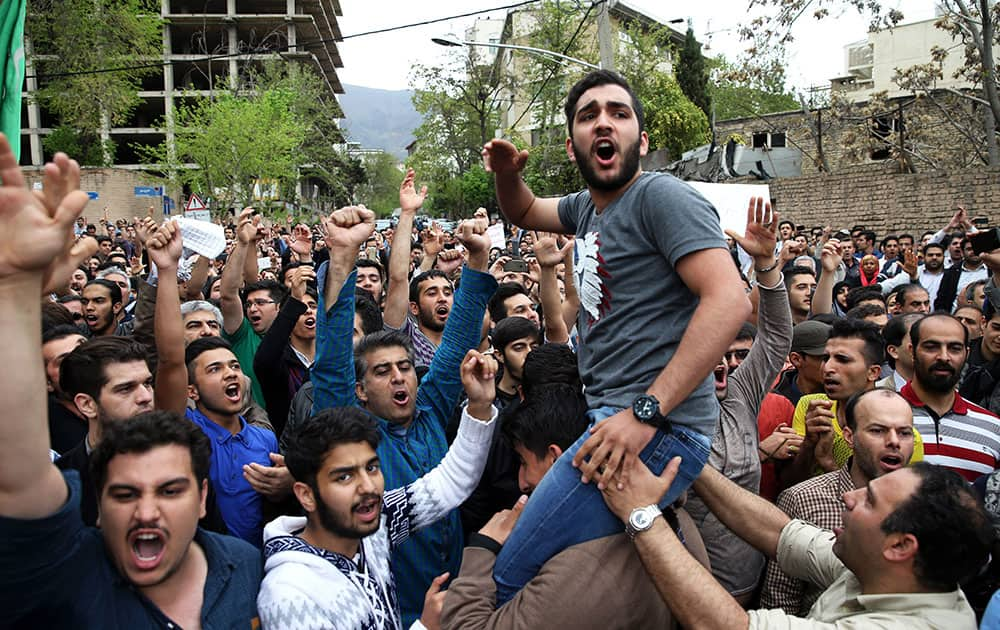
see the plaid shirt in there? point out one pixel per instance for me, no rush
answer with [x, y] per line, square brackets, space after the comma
[423, 347]
[817, 501]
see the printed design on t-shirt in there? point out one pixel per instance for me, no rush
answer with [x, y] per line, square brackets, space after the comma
[595, 297]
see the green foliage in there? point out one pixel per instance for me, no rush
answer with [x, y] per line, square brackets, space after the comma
[691, 73]
[73, 36]
[737, 94]
[85, 148]
[380, 189]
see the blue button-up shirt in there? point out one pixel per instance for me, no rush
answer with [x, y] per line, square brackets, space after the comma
[56, 573]
[240, 505]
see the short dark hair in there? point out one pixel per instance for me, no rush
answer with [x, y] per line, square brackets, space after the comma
[83, 371]
[862, 311]
[935, 245]
[367, 262]
[953, 531]
[103, 238]
[143, 433]
[796, 270]
[422, 277]
[377, 341]
[747, 332]
[553, 414]
[895, 331]
[56, 315]
[275, 290]
[511, 329]
[549, 364]
[496, 307]
[889, 237]
[307, 444]
[905, 235]
[113, 289]
[869, 236]
[199, 346]
[902, 290]
[862, 294]
[867, 332]
[368, 310]
[594, 79]
[915, 328]
[59, 332]
[785, 222]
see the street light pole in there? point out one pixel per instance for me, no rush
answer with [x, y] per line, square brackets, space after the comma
[604, 39]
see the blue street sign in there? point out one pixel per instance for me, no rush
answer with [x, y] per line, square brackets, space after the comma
[92, 195]
[148, 191]
[168, 206]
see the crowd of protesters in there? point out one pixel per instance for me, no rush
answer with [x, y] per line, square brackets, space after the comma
[596, 411]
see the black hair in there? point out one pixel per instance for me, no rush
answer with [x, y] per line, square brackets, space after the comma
[895, 331]
[861, 294]
[596, 79]
[55, 315]
[747, 332]
[905, 235]
[275, 290]
[786, 222]
[310, 292]
[867, 309]
[902, 290]
[114, 289]
[889, 237]
[422, 277]
[143, 433]
[874, 346]
[953, 531]
[826, 318]
[307, 444]
[103, 238]
[511, 329]
[365, 306]
[59, 332]
[548, 364]
[933, 244]
[83, 371]
[869, 236]
[496, 307]
[553, 414]
[377, 341]
[796, 270]
[367, 262]
[915, 328]
[199, 346]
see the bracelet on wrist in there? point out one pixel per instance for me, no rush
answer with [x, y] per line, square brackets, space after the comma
[773, 266]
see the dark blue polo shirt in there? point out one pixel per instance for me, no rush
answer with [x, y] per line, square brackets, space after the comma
[56, 573]
[240, 505]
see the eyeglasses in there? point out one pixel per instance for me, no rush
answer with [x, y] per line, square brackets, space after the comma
[261, 302]
[739, 354]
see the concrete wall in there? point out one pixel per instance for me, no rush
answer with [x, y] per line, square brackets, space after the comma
[116, 191]
[887, 202]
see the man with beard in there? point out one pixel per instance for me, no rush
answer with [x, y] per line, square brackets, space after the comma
[418, 308]
[66, 425]
[660, 302]
[957, 433]
[331, 568]
[880, 431]
[102, 302]
[928, 274]
[959, 276]
[149, 565]
[379, 374]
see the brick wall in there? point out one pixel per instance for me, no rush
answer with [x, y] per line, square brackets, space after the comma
[887, 202]
[116, 191]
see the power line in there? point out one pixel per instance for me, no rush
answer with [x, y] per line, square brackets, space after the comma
[553, 70]
[303, 44]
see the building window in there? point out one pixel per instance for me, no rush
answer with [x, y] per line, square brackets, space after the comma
[881, 130]
[768, 140]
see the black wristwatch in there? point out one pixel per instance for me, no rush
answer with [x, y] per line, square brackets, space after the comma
[647, 410]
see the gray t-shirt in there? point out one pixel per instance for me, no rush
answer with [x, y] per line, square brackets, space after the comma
[633, 307]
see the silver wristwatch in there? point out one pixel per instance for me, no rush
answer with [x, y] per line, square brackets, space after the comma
[641, 519]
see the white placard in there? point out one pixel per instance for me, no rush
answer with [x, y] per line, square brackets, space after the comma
[203, 237]
[731, 200]
[495, 232]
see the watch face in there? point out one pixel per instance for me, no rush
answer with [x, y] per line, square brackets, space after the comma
[641, 519]
[645, 407]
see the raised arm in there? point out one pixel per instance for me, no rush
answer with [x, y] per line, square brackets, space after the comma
[397, 298]
[822, 301]
[165, 247]
[516, 200]
[199, 273]
[247, 234]
[549, 255]
[332, 372]
[36, 243]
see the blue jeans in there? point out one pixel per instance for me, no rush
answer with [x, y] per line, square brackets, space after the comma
[563, 512]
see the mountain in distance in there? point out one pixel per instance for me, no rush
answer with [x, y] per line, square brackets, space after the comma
[379, 119]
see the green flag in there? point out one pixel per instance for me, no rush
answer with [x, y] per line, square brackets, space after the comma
[11, 70]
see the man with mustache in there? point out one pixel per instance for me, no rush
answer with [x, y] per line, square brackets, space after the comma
[956, 433]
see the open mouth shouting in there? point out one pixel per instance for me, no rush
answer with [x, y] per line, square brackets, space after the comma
[369, 509]
[891, 461]
[310, 323]
[441, 312]
[721, 377]
[605, 151]
[148, 547]
[401, 397]
[233, 392]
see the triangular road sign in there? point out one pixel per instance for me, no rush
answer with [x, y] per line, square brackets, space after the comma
[194, 203]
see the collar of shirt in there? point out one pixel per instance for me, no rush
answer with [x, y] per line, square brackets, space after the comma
[960, 406]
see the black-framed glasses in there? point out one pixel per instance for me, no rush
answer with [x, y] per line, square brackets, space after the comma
[259, 302]
[739, 354]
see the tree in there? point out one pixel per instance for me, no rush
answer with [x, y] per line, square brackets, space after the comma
[380, 190]
[73, 43]
[691, 73]
[736, 95]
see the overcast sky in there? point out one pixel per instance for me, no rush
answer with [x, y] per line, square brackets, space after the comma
[383, 61]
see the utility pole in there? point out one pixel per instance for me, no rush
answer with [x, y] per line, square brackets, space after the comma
[604, 38]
